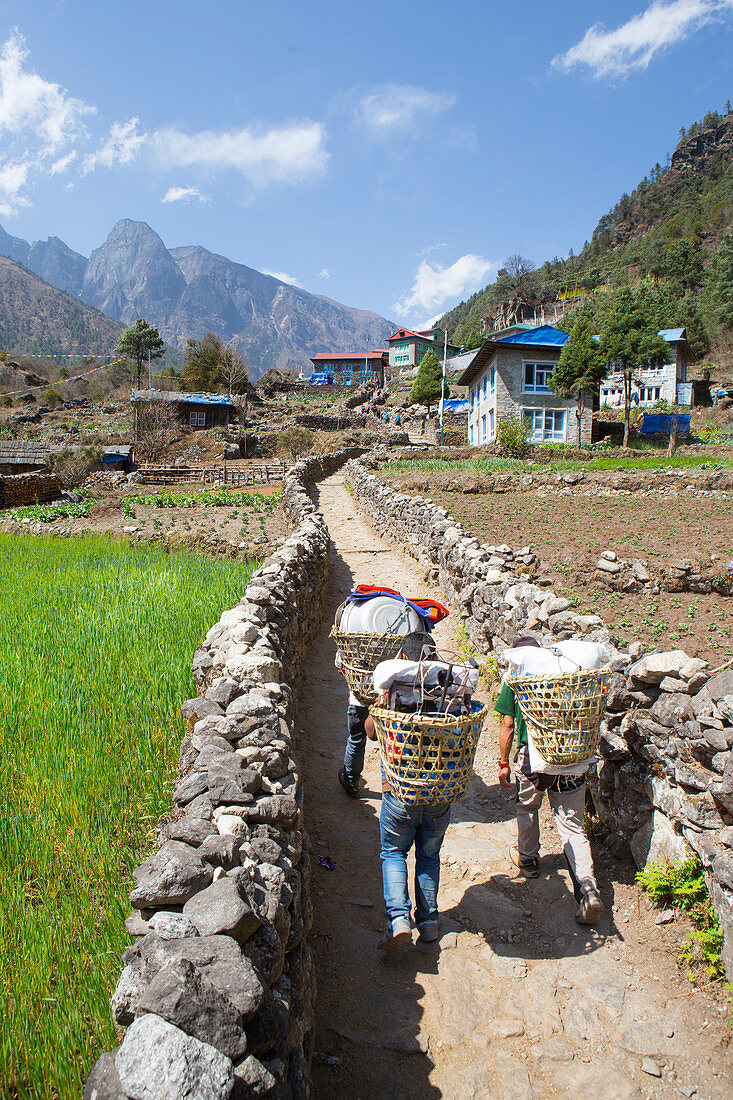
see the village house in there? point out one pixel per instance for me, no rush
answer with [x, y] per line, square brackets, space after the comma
[666, 382]
[511, 374]
[197, 410]
[343, 367]
[406, 348]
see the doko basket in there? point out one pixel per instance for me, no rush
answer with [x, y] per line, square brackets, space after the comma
[564, 712]
[360, 655]
[428, 759]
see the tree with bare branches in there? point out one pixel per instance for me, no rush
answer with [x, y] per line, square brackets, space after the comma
[156, 428]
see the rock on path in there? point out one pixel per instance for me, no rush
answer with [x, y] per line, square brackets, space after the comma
[517, 1001]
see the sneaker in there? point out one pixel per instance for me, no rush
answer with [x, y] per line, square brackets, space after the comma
[590, 909]
[529, 866]
[429, 931]
[352, 789]
[396, 937]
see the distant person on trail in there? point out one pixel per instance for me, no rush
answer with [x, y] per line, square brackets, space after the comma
[567, 799]
[397, 419]
[401, 826]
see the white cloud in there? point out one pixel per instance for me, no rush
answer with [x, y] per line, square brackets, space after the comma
[121, 146]
[283, 154]
[183, 194]
[282, 276]
[13, 179]
[29, 104]
[62, 163]
[434, 285]
[389, 108]
[635, 43]
[324, 273]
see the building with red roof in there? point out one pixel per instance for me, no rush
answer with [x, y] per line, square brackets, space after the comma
[345, 367]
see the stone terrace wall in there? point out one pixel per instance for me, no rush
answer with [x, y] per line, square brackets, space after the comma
[19, 489]
[218, 988]
[665, 785]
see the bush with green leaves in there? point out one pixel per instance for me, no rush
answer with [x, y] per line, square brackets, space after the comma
[682, 886]
[295, 441]
[513, 434]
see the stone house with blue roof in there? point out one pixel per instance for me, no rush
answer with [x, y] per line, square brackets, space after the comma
[197, 410]
[655, 383]
[511, 374]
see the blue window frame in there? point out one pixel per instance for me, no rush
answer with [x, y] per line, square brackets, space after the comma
[492, 428]
[483, 429]
[537, 377]
[492, 381]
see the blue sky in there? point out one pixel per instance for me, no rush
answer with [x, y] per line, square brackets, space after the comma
[388, 155]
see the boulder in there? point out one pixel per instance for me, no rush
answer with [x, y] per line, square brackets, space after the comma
[657, 842]
[184, 996]
[222, 909]
[219, 958]
[171, 926]
[655, 666]
[251, 1078]
[170, 877]
[189, 830]
[720, 685]
[128, 991]
[220, 851]
[103, 1083]
[673, 709]
[158, 1061]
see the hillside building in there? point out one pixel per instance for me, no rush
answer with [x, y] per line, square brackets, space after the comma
[407, 348]
[367, 368]
[511, 374]
[666, 382]
[197, 410]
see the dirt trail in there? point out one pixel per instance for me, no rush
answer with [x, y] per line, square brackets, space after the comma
[517, 1001]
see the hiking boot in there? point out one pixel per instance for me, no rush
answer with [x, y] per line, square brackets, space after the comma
[528, 865]
[590, 909]
[429, 931]
[352, 789]
[397, 936]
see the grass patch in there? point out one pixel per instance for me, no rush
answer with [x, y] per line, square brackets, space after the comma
[518, 465]
[97, 639]
[682, 886]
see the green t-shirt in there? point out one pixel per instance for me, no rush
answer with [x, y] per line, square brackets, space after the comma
[507, 704]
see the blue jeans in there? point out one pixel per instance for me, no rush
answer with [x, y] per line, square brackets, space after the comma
[356, 716]
[400, 826]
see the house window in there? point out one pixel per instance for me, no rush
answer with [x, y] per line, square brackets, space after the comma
[492, 428]
[492, 380]
[473, 397]
[537, 377]
[483, 429]
[485, 385]
[470, 434]
[197, 419]
[548, 425]
[651, 394]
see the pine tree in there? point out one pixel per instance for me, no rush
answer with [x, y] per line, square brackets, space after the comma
[581, 367]
[720, 284]
[428, 381]
[140, 342]
[629, 340]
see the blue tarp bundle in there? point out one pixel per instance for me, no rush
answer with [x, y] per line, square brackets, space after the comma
[660, 423]
[455, 405]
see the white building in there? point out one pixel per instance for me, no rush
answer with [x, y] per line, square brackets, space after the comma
[653, 384]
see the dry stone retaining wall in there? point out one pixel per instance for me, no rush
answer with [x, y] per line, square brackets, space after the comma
[664, 786]
[217, 990]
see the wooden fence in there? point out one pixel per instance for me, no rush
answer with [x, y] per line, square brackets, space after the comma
[223, 474]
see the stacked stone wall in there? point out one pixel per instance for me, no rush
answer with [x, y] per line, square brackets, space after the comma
[664, 785]
[217, 991]
[19, 489]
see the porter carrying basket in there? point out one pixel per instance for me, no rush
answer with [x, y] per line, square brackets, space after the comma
[428, 758]
[360, 654]
[563, 713]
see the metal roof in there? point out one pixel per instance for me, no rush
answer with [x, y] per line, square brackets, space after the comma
[673, 334]
[177, 397]
[357, 356]
[546, 336]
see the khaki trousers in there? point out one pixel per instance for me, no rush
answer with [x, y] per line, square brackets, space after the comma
[567, 808]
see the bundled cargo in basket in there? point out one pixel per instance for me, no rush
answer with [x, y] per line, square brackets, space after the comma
[563, 713]
[428, 758]
[360, 654]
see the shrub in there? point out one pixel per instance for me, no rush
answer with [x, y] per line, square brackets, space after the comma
[53, 398]
[513, 434]
[682, 885]
[295, 441]
[73, 466]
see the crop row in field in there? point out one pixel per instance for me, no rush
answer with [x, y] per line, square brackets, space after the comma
[492, 464]
[97, 639]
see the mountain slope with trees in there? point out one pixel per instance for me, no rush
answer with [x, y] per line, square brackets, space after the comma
[666, 232]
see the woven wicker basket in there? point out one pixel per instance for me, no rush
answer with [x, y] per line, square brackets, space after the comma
[428, 759]
[563, 713]
[360, 655]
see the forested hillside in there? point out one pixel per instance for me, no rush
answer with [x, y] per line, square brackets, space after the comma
[672, 231]
[39, 319]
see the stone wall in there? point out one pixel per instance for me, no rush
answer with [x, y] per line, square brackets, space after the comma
[21, 489]
[217, 990]
[664, 787]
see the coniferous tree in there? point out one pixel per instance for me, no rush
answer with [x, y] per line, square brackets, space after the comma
[720, 284]
[140, 342]
[629, 340]
[581, 367]
[428, 381]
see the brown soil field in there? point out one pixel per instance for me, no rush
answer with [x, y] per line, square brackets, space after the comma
[569, 532]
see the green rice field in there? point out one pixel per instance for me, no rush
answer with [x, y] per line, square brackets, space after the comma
[96, 639]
